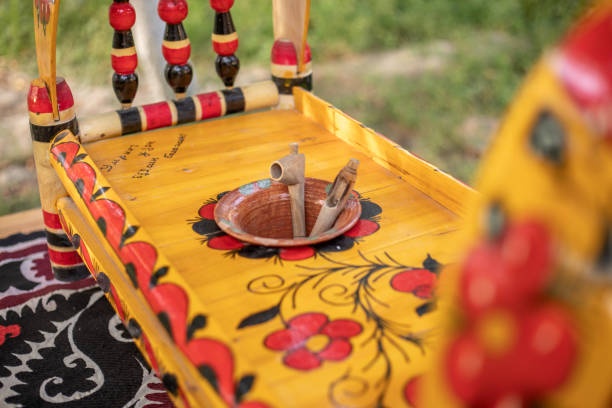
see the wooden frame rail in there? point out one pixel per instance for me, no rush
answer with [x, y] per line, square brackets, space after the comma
[185, 345]
[169, 113]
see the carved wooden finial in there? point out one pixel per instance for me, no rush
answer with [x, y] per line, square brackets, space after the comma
[176, 47]
[225, 42]
[124, 60]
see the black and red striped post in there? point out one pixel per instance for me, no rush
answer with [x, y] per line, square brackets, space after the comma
[225, 42]
[284, 67]
[65, 261]
[176, 47]
[124, 60]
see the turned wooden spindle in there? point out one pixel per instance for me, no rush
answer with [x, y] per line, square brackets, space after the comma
[291, 61]
[336, 199]
[176, 47]
[290, 170]
[225, 42]
[65, 261]
[124, 60]
[284, 67]
[51, 110]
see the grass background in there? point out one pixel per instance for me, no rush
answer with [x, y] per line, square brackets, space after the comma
[444, 115]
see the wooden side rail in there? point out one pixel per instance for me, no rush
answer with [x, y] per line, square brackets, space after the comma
[163, 114]
[169, 312]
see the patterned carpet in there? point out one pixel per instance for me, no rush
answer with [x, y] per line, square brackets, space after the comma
[61, 344]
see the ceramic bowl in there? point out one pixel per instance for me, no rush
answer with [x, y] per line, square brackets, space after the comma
[260, 213]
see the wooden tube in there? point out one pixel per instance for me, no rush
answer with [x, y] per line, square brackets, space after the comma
[191, 109]
[290, 170]
[65, 261]
[336, 198]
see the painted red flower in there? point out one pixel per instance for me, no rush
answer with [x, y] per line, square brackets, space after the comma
[411, 390]
[419, 282]
[311, 338]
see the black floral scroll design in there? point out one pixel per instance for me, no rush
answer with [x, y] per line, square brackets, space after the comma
[355, 287]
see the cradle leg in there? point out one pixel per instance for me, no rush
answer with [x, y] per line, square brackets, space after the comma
[65, 261]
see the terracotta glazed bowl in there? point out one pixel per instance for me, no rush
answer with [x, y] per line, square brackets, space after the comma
[260, 213]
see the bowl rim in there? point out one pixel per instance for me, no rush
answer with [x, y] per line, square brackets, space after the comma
[332, 233]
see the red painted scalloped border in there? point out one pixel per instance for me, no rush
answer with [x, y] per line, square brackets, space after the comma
[168, 301]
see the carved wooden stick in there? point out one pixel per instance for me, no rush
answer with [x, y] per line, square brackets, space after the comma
[290, 170]
[336, 198]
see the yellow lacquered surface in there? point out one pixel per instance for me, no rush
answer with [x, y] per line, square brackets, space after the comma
[573, 202]
[165, 177]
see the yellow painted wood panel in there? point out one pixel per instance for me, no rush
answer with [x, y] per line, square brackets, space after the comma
[193, 164]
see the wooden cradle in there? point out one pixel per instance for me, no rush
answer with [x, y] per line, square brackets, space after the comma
[129, 197]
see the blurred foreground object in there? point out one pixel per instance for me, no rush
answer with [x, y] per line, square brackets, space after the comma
[527, 313]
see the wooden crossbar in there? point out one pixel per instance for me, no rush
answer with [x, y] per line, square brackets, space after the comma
[168, 113]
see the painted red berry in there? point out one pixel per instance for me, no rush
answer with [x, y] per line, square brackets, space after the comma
[484, 281]
[225, 242]
[419, 282]
[121, 16]
[548, 344]
[296, 253]
[172, 11]
[465, 368]
[526, 249]
[362, 228]
[207, 211]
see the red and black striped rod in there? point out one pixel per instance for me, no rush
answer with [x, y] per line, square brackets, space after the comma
[191, 109]
[65, 261]
[225, 42]
[284, 67]
[176, 47]
[124, 60]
